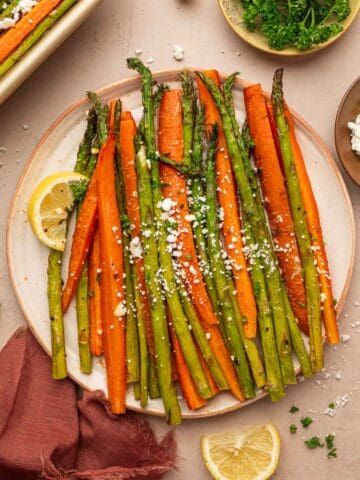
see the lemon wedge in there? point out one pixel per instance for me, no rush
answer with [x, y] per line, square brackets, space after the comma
[49, 207]
[250, 454]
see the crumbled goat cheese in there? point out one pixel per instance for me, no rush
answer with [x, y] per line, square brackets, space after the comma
[354, 127]
[136, 248]
[345, 338]
[167, 204]
[120, 310]
[178, 52]
[138, 52]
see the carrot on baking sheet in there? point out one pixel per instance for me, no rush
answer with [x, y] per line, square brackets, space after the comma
[13, 37]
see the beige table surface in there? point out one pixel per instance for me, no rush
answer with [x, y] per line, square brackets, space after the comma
[94, 56]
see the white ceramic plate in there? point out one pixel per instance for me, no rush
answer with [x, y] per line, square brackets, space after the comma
[46, 45]
[56, 151]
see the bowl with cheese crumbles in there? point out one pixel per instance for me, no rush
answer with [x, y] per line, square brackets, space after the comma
[347, 131]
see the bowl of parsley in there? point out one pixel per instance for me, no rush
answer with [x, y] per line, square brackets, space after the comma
[290, 27]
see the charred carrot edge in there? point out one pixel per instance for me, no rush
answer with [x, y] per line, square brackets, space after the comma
[82, 238]
[314, 226]
[229, 203]
[171, 144]
[276, 201]
[127, 157]
[113, 309]
[187, 385]
[13, 37]
[96, 335]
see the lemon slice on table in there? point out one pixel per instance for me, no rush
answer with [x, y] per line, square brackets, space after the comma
[250, 454]
[49, 206]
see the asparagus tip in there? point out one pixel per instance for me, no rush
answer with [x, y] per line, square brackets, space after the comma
[135, 63]
[277, 96]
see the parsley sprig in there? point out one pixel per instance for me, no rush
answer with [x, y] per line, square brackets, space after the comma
[295, 23]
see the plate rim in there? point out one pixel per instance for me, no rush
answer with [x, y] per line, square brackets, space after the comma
[337, 125]
[123, 83]
[288, 52]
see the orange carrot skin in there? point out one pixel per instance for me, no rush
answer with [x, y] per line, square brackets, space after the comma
[13, 37]
[96, 335]
[314, 226]
[171, 143]
[112, 107]
[228, 201]
[276, 202]
[188, 388]
[112, 283]
[82, 238]
[127, 155]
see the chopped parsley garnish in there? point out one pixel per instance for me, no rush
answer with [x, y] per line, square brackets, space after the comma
[294, 409]
[299, 24]
[125, 222]
[293, 428]
[329, 439]
[332, 405]
[332, 453]
[79, 190]
[335, 301]
[306, 421]
[313, 442]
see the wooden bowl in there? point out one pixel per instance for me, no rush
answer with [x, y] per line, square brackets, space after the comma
[233, 10]
[349, 109]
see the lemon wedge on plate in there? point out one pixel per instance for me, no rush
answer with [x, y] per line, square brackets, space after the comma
[250, 454]
[49, 207]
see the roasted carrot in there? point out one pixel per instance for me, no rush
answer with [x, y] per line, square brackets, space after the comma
[317, 241]
[112, 107]
[187, 385]
[127, 157]
[229, 203]
[81, 242]
[96, 334]
[13, 37]
[112, 283]
[276, 201]
[171, 144]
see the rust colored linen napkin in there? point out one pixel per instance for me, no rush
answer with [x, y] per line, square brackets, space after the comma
[46, 433]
